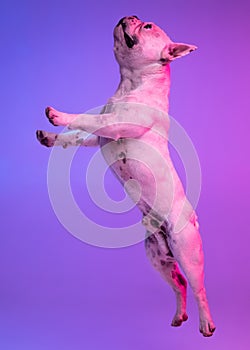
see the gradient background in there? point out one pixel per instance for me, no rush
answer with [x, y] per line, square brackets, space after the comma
[59, 293]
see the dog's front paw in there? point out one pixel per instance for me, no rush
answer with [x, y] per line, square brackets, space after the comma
[46, 138]
[56, 118]
[53, 116]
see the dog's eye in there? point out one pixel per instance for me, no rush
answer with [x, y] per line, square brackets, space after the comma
[148, 26]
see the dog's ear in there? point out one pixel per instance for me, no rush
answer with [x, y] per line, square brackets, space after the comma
[176, 50]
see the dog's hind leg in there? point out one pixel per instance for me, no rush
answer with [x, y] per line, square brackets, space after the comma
[162, 259]
[72, 138]
[186, 246]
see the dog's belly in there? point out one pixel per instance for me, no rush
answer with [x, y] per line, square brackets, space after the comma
[147, 173]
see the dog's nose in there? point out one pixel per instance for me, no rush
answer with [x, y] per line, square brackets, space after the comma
[132, 17]
[129, 18]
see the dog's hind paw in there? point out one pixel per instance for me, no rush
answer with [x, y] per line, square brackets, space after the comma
[207, 328]
[179, 319]
[46, 138]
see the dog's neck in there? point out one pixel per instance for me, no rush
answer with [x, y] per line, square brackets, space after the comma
[149, 85]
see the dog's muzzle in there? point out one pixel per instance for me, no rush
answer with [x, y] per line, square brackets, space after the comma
[123, 18]
[130, 40]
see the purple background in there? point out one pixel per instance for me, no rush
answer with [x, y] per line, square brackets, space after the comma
[59, 293]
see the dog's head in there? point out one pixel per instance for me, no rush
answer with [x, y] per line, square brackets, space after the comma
[138, 43]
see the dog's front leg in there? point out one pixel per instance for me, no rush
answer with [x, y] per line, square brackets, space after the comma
[108, 125]
[72, 138]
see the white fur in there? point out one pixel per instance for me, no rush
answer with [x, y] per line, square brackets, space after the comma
[132, 131]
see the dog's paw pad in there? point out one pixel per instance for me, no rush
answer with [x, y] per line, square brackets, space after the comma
[47, 111]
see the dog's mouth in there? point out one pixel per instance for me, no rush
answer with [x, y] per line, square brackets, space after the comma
[130, 40]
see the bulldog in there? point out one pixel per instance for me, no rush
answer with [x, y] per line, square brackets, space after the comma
[132, 131]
